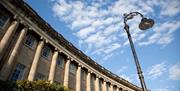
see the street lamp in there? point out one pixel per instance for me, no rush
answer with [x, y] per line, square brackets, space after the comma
[144, 24]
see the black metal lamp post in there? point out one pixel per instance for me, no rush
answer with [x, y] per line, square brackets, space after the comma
[144, 24]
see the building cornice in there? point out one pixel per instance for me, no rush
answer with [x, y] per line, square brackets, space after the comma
[26, 13]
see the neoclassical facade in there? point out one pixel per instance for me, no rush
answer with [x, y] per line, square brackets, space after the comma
[30, 49]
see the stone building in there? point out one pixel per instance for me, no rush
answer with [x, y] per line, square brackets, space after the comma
[30, 49]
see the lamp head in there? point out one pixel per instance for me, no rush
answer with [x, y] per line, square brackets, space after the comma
[146, 23]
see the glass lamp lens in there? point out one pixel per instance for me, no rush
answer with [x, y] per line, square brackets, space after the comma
[146, 23]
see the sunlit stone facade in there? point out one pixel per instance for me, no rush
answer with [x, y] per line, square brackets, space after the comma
[30, 49]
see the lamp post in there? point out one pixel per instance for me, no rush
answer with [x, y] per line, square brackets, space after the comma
[144, 24]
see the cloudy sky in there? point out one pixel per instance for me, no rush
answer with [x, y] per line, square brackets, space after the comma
[96, 28]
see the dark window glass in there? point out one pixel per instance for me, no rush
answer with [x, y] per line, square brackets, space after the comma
[4, 15]
[46, 51]
[72, 68]
[30, 40]
[83, 74]
[40, 76]
[18, 72]
[60, 61]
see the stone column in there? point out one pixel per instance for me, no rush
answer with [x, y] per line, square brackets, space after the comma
[53, 67]
[7, 37]
[111, 87]
[66, 73]
[35, 61]
[88, 81]
[7, 67]
[78, 79]
[104, 86]
[97, 84]
[117, 89]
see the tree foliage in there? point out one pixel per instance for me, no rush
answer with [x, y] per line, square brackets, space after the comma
[24, 85]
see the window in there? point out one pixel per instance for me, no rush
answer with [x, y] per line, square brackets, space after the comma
[60, 61]
[92, 82]
[73, 68]
[46, 51]
[4, 16]
[107, 86]
[40, 76]
[114, 88]
[18, 72]
[100, 85]
[83, 74]
[30, 40]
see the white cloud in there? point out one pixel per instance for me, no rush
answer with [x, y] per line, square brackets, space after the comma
[104, 59]
[162, 34]
[99, 25]
[174, 72]
[126, 78]
[112, 48]
[61, 8]
[123, 68]
[156, 70]
[171, 8]
[83, 33]
[161, 89]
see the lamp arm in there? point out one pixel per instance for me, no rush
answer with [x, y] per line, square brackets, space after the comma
[131, 15]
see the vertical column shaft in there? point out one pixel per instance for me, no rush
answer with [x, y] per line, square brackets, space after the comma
[66, 74]
[7, 37]
[111, 87]
[117, 89]
[78, 79]
[34, 65]
[97, 84]
[7, 67]
[88, 82]
[104, 86]
[53, 67]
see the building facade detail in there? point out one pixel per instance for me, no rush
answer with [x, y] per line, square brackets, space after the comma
[35, 61]
[53, 66]
[7, 67]
[66, 73]
[7, 36]
[31, 50]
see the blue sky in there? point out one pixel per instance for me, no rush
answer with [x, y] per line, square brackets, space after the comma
[96, 28]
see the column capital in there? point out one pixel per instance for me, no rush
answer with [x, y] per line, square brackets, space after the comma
[15, 17]
[43, 39]
[69, 58]
[91, 72]
[72, 60]
[46, 41]
[88, 71]
[80, 65]
[60, 51]
[30, 28]
[97, 76]
[24, 23]
[56, 49]
[25, 28]
[111, 84]
[104, 80]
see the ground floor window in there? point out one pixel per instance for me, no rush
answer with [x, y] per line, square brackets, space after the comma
[40, 76]
[60, 61]
[4, 16]
[18, 72]
[73, 68]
